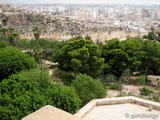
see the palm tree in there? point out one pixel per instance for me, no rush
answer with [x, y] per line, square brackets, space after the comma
[14, 38]
[9, 35]
[36, 32]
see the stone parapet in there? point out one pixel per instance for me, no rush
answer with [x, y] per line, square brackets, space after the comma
[51, 113]
[118, 100]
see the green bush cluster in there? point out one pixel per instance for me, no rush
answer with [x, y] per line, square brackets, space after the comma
[115, 86]
[109, 78]
[153, 35]
[88, 88]
[12, 61]
[18, 98]
[63, 97]
[26, 92]
[142, 79]
[145, 91]
[3, 44]
[66, 77]
[155, 98]
[40, 79]
[48, 47]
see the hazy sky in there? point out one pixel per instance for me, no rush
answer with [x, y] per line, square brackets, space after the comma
[141, 2]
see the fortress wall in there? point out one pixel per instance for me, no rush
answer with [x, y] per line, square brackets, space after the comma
[101, 36]
[55, 36]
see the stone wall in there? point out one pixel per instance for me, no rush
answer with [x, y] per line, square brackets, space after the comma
[102, 36]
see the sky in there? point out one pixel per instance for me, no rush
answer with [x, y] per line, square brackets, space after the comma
[135, 2]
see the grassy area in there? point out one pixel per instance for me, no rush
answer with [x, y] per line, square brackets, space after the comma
[114, 86]
[66, 77]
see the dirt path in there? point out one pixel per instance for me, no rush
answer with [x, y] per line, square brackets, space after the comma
[129, 89]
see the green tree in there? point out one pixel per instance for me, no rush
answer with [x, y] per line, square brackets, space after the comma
[132, 46]
[150, 58]
[10, 35]
[4, 34]
[153, 36]
[12, 60]
[88, 88]
[158, 37]
[115, 57]
[37, 33]
[88, 37]
[49, 47]
[81, 56]
[46, 48]
[13, 38]
[37, 54]
[95, 63]
[76, 65]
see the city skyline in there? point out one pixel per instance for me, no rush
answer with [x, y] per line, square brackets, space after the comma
[134, 2]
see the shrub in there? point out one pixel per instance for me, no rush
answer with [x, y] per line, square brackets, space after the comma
[40, 79]
[3, 44]
[115, 86]
[156, 98]
[12, 60]
[59, 96]
[124, 79]
[145, 91]
[109, 78]
[66, 77]
[48, 47]
[24, 43]
[88, 88]
[21, 94]
[142, 79]
[63, 97]
[18, 98]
